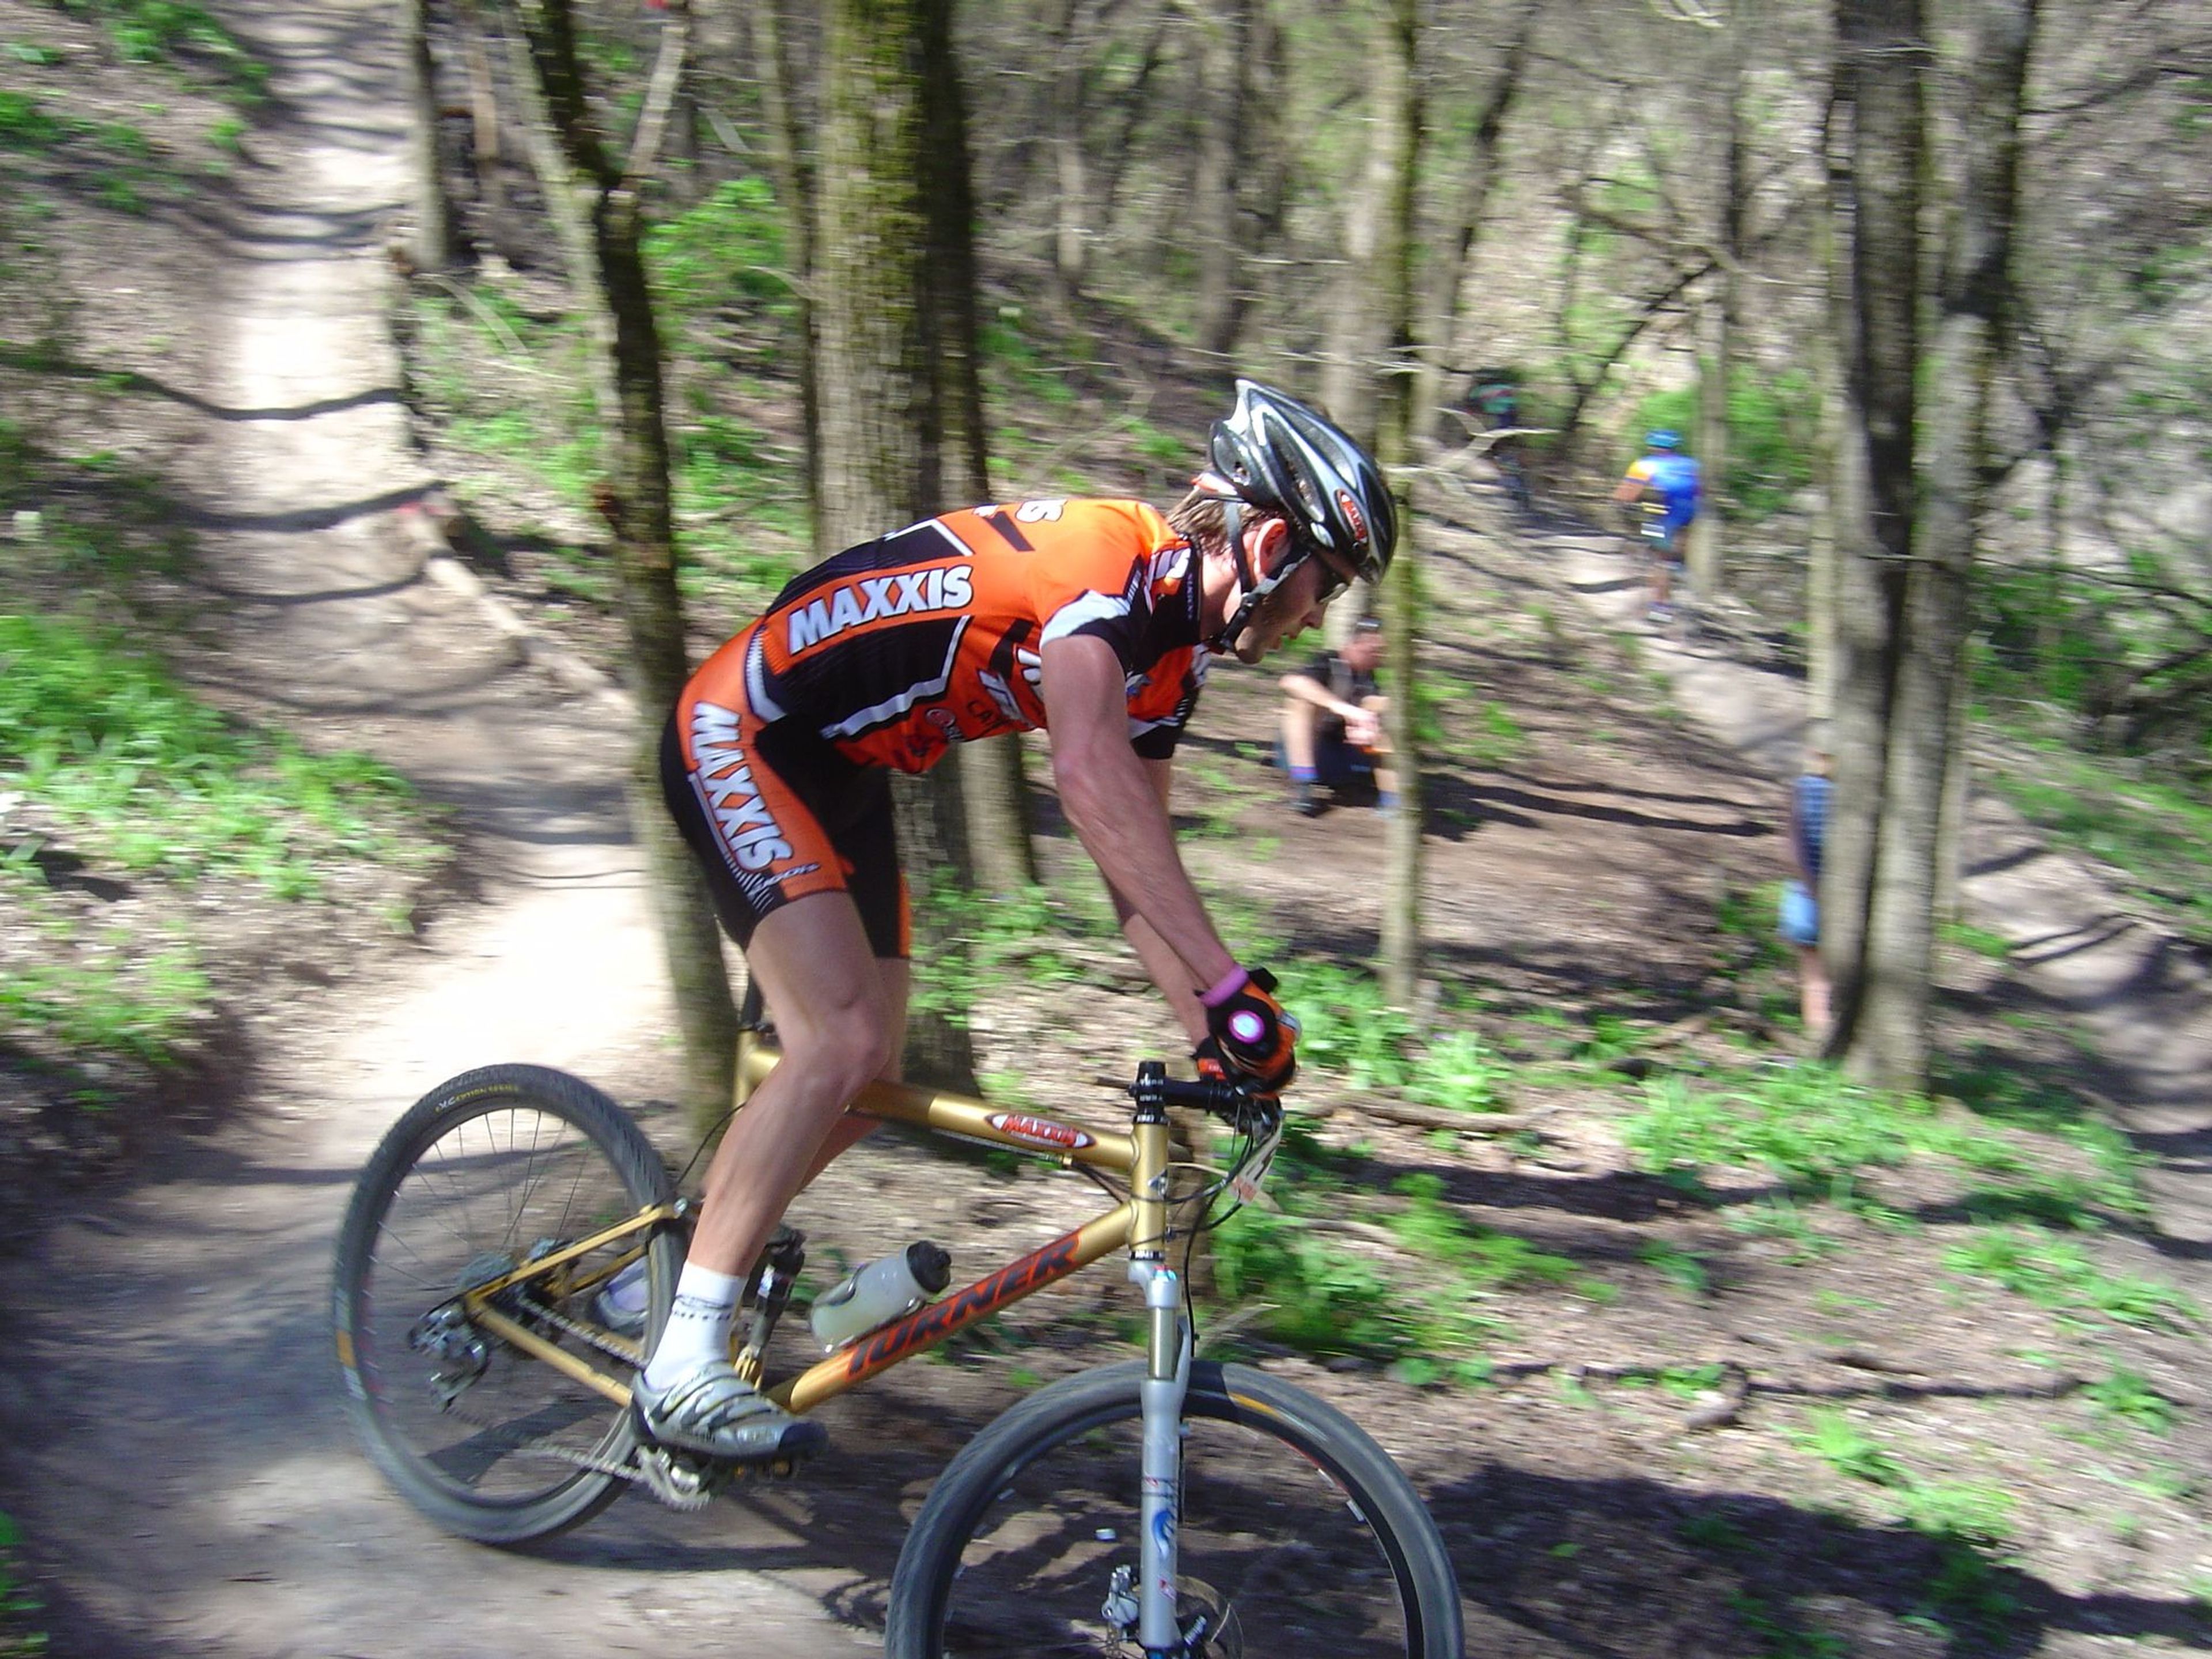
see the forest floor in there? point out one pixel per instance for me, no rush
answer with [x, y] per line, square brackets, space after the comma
[1846, 1400]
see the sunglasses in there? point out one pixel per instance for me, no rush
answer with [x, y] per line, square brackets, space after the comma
[1334, 580]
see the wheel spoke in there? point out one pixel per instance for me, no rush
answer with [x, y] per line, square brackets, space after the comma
[489, 1440]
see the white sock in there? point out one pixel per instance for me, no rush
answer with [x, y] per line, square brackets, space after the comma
[698, 1325]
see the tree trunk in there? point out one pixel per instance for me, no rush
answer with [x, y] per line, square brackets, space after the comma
[1396, 90]
[1716, 317]
[1071, 235]
[1000, 847]
[431, 247]
[566, 188]
[1445, 268]
[635, 501]
[794, 187]
[1357, 329]
[883, 396]
[1896, 636]
[488, 151]
[1224, 35]
[1973, 337]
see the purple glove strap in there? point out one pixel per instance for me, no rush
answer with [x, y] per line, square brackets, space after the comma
[1224, 988]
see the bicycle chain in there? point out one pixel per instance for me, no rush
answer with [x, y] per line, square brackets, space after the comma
[678, 1484]
[531, 1445]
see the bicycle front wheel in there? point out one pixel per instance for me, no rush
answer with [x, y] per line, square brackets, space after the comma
[1299, 1535]
[484, 1173]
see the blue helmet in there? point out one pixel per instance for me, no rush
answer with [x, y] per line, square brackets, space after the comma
[1662, 439]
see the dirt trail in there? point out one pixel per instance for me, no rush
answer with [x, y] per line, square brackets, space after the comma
[181, 1464]
[2144, 997]
[183, 1468]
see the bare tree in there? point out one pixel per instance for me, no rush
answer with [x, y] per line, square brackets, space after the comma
[1226, 33]
[635, 498]
[1901, 615]
[791, 159]
[1397, 114]
[1716, 319]
[431, 247]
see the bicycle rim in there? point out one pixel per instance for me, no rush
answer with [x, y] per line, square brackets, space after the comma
[1297, 1534]
[484, 1173]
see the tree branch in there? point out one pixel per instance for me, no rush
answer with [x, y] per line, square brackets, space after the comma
[659, 91]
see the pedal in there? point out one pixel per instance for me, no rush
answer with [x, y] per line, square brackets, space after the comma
[683, 1483]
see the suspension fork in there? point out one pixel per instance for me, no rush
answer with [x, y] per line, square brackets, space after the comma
[1167, 1380]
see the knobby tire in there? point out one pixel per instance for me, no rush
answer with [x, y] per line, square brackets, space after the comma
[481, 1171]
[1293, 1518]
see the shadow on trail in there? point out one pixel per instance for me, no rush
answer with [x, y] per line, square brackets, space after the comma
[1483, 799]
[1548, 1565]
[1630, 1566]
[61, 365]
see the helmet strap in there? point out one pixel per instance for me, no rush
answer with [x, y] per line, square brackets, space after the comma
[1232, 528]
[1255, 589]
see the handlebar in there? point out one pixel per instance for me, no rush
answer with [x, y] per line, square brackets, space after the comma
[1232, 1100]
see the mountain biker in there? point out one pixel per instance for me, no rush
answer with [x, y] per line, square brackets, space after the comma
[1494, 398]
[1093, 619]
[1664, 472]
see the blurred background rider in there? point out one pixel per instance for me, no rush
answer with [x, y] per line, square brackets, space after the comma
[1666, 478]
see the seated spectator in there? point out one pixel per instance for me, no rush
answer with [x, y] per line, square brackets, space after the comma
[1332, 724]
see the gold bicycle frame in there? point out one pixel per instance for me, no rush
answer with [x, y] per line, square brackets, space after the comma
[1142, 1157]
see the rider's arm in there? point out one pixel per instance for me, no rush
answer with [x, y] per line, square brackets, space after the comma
[1117, 805]
[1628, 488]
[1168, 970]
[1306, 688]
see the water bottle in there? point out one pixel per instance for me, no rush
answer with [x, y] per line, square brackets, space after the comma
[879, 1292]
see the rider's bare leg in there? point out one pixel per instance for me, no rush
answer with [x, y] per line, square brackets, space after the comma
[898, 977]
[840, 1017]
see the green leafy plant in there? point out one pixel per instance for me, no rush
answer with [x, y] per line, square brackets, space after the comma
[1315, 1295]
[1346, 1027]
[185, 35]
[1481, 1260]
[1830, 1435]
[98, 733]
[1813, 1131]
[1710, 1530]
[1684, 1271]
[1458, 1072]
[2126, 1396]
[989, 942]
[1779, 1633]
[19, 1603]
[2058, 1274]
[119, 1005]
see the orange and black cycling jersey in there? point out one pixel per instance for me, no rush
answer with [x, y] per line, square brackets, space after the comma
[933, 634]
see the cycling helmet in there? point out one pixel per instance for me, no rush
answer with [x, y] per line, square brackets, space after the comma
[1274, 453]
[1662, 439]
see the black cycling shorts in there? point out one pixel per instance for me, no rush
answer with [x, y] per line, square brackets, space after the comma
[838, 813]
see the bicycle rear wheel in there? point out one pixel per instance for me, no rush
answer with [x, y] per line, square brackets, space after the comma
[1299, 1535]
[484, 1173]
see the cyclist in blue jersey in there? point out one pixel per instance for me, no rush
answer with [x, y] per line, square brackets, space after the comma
[1671, 482]
[1809, 797]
